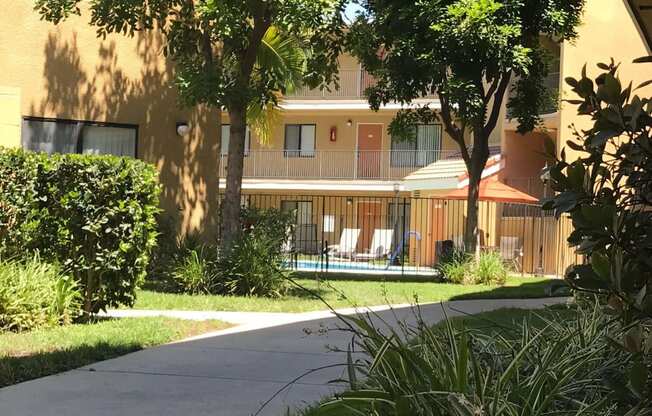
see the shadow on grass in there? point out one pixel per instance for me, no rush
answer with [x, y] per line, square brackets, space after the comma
[19, 368]
[529, 290]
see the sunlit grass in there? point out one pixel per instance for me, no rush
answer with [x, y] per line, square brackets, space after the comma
[347, 293]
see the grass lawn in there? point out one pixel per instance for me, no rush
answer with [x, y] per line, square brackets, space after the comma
[29, 355]
[345, 293]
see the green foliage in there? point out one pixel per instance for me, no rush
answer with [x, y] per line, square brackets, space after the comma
[254, 264]
[490, 269]
[456, 267]
[546, 365]
[94, 215]
[462, 268]
[465, 51]
[194, 271]
[251, 268]
[606, 189]
[34, 294]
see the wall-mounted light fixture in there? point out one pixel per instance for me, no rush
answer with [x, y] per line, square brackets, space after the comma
[349, 201]
[183, 128]
[349, 123]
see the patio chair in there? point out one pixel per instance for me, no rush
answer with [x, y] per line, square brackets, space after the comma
[381, 245]
[346, 247]
[511, 250]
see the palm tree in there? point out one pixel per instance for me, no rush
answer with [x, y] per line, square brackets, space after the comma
[284, 55]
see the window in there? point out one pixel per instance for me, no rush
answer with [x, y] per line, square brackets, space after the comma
[305, 230]
[226, 136]
[300, 140]
[421, 151]
[303, 210]
[68, 136]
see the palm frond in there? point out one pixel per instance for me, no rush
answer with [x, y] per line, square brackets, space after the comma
[283, 56]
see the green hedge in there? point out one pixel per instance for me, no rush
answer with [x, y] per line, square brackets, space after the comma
[94, 215]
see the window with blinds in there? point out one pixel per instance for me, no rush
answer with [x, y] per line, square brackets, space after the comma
[423, 150]
[300, 140]
[66, 136]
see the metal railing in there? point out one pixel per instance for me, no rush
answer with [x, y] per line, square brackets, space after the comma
[352, 85]
[336, 164]
[411, 235]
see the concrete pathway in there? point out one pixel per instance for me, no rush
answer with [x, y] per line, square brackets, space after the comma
[222, 374]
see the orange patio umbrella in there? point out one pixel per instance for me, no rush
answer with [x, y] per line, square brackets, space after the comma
[494, 191]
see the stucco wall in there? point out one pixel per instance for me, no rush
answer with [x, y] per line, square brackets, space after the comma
[66, 72]
[9, 117]
[608, 30]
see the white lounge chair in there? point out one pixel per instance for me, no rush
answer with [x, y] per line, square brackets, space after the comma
[381, 245]
[511, 250]
[348, 242]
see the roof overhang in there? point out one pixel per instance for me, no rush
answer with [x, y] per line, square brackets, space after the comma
[642, 11]
[448, 174]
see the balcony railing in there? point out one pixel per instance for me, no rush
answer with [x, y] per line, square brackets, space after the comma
[352, 85]
[336, 164]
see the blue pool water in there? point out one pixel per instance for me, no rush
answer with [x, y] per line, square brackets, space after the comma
[357, 267]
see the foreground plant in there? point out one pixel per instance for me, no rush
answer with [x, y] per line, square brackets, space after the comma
[546, 365]
[606, 189]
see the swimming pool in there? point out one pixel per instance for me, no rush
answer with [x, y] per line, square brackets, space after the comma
[357, 267]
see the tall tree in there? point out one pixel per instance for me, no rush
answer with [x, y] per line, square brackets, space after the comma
[225, 55]
[468, 53]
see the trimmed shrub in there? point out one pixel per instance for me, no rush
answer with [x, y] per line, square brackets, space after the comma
[34, 294]
[95, 215]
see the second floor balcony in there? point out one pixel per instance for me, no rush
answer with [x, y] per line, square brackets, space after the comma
[352, 85]
[382, 165]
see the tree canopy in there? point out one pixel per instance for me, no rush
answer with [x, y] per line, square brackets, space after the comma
[468, 53]
[241, 55]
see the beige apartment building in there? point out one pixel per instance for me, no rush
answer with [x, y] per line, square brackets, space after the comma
[64, 90]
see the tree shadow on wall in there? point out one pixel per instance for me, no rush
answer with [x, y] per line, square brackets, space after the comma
[127, 80]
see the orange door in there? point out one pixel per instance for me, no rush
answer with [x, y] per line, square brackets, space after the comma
[369, 218]
[369, 146]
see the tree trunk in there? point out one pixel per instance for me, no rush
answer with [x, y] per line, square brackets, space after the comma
[231, 227]
[471, 230]
[476, 165]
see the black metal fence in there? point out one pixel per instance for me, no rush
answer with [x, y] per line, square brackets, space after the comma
[408, 235]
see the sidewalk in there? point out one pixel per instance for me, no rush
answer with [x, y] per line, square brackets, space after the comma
[219, 374]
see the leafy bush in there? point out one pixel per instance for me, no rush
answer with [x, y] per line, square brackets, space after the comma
[253, 266]
[462, 268]
[546, 365]
[95, 215]
[34, 294]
